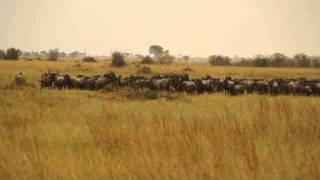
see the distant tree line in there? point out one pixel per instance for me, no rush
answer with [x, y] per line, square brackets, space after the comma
[274, 60]
[162, 56]
[51, 55]
[10, 54]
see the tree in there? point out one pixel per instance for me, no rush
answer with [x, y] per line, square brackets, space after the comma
[118, 59]
[53, 55]
[217, 60]
[62, 54]
[44, 54]
[261, 61]
[147, 60]
[186, 58]
[2, 54]
[13, 54]
[315, 61]
[302, 60]
[166, 59]
[139, 56]
[156, 50]
[277, 59]
[77, 55]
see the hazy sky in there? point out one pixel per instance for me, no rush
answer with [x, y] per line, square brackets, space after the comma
[193, 27]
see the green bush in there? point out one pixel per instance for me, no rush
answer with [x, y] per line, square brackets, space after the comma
[53, 55]
[217, 60]
[150, 94]
[118, 59]
[147, 60]
[166, 59]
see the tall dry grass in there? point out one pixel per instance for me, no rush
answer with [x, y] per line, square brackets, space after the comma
[94, 135]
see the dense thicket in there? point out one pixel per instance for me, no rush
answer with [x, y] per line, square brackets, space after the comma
[274, 60]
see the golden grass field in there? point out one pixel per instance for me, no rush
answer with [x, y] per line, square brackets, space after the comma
[104, 135]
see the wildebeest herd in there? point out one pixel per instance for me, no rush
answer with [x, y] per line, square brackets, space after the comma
[183, 83]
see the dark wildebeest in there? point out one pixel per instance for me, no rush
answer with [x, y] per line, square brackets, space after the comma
[67, 82]
[79, 82]
[316, 88]
[239, 89]
[47, 80]
[106, 79]
[189, 87]
[262, 86]
[20, 79]
[274, 87]
[229, 85]
[294, 86]
[248, 85]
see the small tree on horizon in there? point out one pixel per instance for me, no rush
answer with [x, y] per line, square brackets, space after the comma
[278, 59]
[302, 60]
[53, 55]
[156, 50]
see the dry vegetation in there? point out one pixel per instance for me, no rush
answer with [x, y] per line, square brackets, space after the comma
[99, 135]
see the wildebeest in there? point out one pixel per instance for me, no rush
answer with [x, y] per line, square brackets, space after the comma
[189, 86]
[239, 89]
[59, 82]
[20, 79]
[316, 88]
[106, 79]
[274, 87]
[47, 80]
[67, 81]
[229, 85]
[248, 85]
[181, 83]
[262, 86]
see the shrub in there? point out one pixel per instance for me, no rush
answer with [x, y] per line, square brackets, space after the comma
[144, 70]
[315, 62]
[151, 94]
[261, 61]
[217, 60]
[118, 59]
[302, 60]
[147, 60]
[12, 54]
[278, 59]
[166, 59]
[186, 58]
[53, 55]
[89, 59]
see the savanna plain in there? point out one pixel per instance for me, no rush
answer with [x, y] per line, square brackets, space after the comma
[76, 134]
